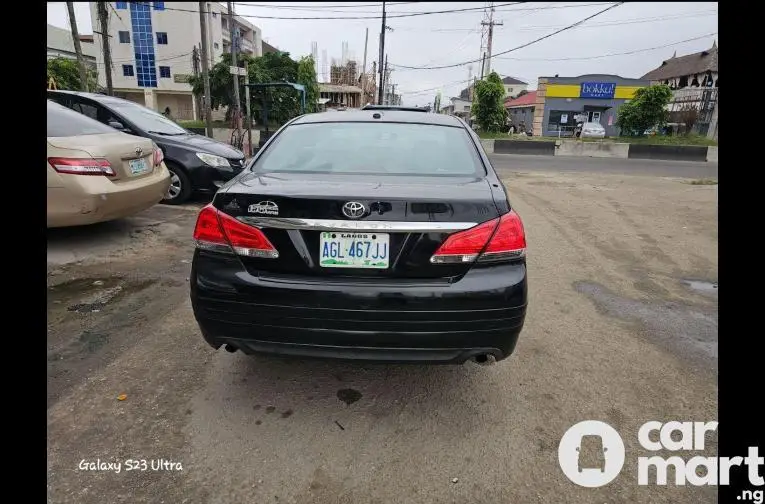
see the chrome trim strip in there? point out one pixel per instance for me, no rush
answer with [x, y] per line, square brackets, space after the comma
[342, 225]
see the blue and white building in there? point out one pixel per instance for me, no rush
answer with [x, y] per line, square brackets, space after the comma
[152, 45]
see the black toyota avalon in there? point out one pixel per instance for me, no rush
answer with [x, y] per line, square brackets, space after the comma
[381, 235]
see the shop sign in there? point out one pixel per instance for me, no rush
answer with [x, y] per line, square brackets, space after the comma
[597, 90]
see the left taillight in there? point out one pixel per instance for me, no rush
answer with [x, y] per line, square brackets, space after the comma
[218, 232]
[82, 166]
[500, 239]
[159, 156]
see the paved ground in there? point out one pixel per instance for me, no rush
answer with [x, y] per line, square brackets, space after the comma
[621, 327]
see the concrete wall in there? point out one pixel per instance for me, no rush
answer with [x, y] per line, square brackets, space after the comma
[574, 148]
[592, 149]
[668, 152]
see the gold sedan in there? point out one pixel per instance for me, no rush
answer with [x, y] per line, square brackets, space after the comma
[96, 173]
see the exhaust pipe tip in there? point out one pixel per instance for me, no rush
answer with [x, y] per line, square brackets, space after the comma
[484, 359]
[231, 348]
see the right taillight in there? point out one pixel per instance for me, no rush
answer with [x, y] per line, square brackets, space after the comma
[159, 156]
[505, 236]
[218, 232]
[82, 166]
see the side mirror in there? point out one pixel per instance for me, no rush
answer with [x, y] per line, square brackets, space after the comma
[117, 125]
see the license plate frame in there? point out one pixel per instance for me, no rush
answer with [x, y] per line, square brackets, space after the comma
[354, 250]
[138, 167]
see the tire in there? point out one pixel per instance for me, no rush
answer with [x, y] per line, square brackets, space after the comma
[180, 186]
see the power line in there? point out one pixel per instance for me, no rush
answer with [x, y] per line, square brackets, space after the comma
[589, 25]
[583, 58]
[318, 7]
[410, 14]
[162, 60]
[573, 25]
[327, 8]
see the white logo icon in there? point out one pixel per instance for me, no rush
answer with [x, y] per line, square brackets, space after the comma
[264, 208]
[354, 210]
[591, 453]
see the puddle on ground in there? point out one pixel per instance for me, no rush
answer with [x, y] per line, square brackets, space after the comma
[91, 295]
[709, 288]
[348, 396]
[689, 332]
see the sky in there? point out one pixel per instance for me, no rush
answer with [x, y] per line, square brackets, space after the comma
[651, 32]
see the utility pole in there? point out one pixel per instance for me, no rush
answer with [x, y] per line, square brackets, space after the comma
[364, 68]
[78, 47]
[195, 65]
[386, 76]
[103, 17]
[491, 24]
[382, 54]
[235, 62]
[393, 95]
[205, 69]
[247, 109]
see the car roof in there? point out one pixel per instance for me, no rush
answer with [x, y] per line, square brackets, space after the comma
[391, 116]
[101, 98]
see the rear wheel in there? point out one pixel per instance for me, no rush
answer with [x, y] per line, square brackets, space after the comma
[180, 186]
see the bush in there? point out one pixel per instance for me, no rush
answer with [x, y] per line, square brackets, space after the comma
[646, 110]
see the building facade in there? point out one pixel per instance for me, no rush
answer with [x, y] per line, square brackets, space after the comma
[61, 45]
[514, 86]
[562, 101]
[693, 79]
[152, 48]
[520, 110]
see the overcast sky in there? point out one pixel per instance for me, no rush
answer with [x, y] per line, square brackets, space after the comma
[454, 38]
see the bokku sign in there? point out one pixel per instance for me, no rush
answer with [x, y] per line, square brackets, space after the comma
[597, 90]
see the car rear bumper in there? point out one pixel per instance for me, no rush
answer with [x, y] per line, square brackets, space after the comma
[88, 201]
[405, 321]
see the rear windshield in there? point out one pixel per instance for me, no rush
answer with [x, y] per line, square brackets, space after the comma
[63, 122]
[372, 148]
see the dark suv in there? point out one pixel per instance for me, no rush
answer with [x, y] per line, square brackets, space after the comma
[195, 162]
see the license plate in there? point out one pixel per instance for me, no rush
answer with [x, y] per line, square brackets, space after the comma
[354, 250]
[138, 166]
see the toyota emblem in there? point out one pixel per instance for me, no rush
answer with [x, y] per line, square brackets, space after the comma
[138, 151]
[354, 210]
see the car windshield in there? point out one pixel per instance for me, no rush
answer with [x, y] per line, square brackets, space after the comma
[146, 119]
[372, 148]
[63, 122]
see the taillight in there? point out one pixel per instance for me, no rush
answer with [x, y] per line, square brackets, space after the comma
[82, 166]
[219, 232]
[505, 236]
[159, 156]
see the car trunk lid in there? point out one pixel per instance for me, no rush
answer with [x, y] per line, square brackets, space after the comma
[404, 221]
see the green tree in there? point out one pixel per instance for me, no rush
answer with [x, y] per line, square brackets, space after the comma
[647, 109]
[282, 103]
[66, 75]
[306, 75]
[488, 104]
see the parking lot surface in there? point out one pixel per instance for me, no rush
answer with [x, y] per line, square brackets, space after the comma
[621, 327]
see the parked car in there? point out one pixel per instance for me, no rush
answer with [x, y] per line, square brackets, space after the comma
[592, 130]
[97, 174]
[195, 162]
[372, 235]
